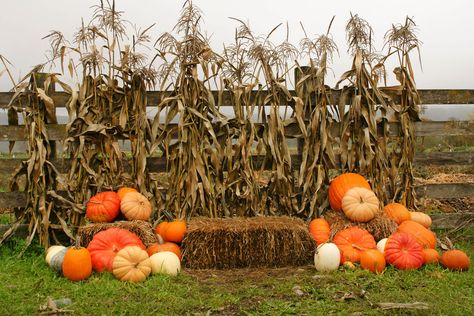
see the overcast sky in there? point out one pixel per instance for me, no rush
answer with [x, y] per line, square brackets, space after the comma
[446, 28]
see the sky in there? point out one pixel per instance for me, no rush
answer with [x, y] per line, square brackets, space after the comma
[445, 28]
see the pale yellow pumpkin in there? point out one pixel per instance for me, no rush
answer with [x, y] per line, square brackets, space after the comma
[52, 251]
[360, 204]
[421, 218]
[165, 262]
[131, 264]
[135, 205]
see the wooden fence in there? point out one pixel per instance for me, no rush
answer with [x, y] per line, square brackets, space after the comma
[423, 129]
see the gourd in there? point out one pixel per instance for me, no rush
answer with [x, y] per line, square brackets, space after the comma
[103, 207]
[360, 204]
[52, 251]
[135, 206]
[131, 264]
[341, 184]
[165, 262]
[327, 257]
[57, 261]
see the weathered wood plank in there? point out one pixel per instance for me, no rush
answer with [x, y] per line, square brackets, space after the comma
[428, 96]
[423, 129]
[445, 190]
[453, 220]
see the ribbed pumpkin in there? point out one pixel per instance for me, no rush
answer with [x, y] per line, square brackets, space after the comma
[360, 204]
[430, 255]
[341, 184]
[398, 212]
[424, 236]
[135, 205]
[165, 262]
[372, 260]
[455, 260]
[131, 264]
[124, 190]
[77, 264]
[404, 252]
[319, 230]
[421, 218]
[106, 244]
[162, 245]
[103, 207]
[352, 241]
[174, 231]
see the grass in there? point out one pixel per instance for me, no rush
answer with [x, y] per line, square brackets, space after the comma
[27, 283]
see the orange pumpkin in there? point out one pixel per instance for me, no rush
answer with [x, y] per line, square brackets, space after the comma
[341, 184]
[424, 236]
[397, 212]
[360, 204]
[135, 205]
[160, 228]
[403, 251]
[165, 246]
[421, 218]
[455, 260]
[77, 264]
[124, 190]
[352, 242]
[131, 264]
[175, 231]
[372, 260]
[103, 207]
[430, 256]
[319, 230]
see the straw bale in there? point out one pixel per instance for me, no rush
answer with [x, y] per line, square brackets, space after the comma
[142, 229]
[380, 227]
[247, 243]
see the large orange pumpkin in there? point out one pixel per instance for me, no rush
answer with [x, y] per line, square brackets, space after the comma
[352, 242]
[124, 190]
[319, 230]
[174, 231]
[398, 212]
[455, 260]
[135, 205]
[77, 264]
[372, 260]
[103, 207]
[424, 236]
[341, 184]
[403, 251]
[105, 245]
[360, 204]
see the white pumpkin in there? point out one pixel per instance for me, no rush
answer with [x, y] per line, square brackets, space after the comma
[327, 257]
[381, 245]
[57, 260]
[52, 251]
[165, 262]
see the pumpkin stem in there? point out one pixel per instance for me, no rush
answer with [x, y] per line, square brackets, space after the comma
[160, 241]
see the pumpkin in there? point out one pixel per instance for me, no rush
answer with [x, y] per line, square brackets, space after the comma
[105, 245]
[327, 257]
[124, 190]
[57, 261]
[403, 251]
[455, 260]
[398, 212]
[372, 260]
[165, 262]
[77, 264]
[174, 231]
[161, 246]
[424, 236]
[341, 184]
[319, 230]
[53, 250]
[103, 207]
[352, 241]
[381, 245]
[131, 264]
[430, 256]
[160, 228]
[135, 205]
[421, 218]
[360, 204]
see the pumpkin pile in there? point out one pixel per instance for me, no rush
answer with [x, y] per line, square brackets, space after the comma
[410, 246]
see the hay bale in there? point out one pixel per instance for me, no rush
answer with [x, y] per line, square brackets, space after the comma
[380, 227]
[247, 242]
[142, 229]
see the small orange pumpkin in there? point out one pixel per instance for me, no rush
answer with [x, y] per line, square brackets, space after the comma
[455, 260]
[160, 228]
[124, 190]
[77, 264]
[430, 255]
[398, 212]
[319, 230]
[103, 207]
[372, 260]
[162, 245]
[341, 184]
[360, 204]
[421, 218]
[175, 231]
[135, 205]
[352, 242]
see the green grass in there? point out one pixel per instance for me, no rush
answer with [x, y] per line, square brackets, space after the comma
[27, 282]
